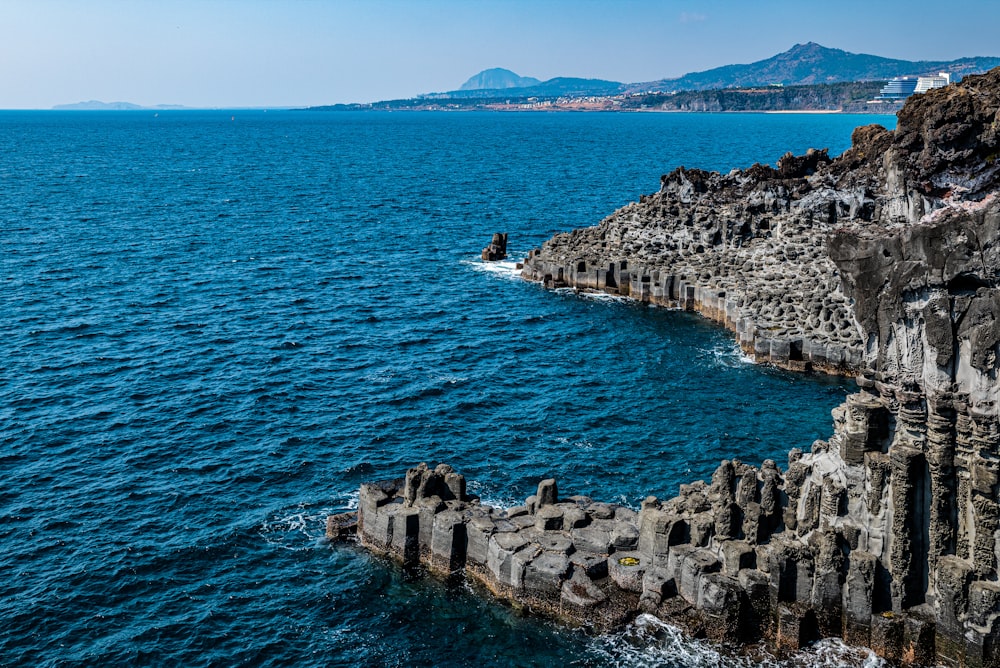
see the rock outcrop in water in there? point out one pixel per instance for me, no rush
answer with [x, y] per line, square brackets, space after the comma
[497, 250]
[884, 261]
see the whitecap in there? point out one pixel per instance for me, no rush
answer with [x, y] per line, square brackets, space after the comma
[727, 354]
[383, 377]
[502, 268]
[449, 379]
[650, 641]
[302, 527]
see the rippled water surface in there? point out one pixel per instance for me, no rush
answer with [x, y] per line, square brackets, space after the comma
[216, 325]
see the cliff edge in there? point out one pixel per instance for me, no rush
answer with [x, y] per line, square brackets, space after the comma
[749, 249]
[884, 262]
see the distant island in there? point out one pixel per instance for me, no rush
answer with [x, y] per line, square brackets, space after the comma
[97, 105]
[807, 77]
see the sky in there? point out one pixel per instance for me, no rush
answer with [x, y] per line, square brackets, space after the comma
[270, 53]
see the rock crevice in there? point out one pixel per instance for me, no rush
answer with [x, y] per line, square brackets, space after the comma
[749, 249]
[883, 262]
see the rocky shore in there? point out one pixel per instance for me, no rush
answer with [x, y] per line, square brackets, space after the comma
[883, 262]
[749, 249]
[746, 249]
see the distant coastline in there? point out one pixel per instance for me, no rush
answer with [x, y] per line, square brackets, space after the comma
[97, 105]
[846, 97]
[805, 78]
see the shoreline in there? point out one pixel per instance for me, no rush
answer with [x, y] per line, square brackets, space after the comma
[713, 304]
[888, 533]
[599, 111]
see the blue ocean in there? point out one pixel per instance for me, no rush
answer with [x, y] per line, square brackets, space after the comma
[217, 324]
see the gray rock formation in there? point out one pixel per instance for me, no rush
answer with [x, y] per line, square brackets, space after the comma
[884, 261]
[749, 248]
[497, 250]
[745, 249]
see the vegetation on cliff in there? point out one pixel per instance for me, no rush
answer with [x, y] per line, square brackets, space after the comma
[848, 96]
[811, 63]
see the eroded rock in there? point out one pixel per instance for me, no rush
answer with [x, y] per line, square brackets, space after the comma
[883, 261]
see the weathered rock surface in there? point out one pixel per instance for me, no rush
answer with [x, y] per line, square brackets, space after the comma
[497, 250]
[885, 261]
[749, 248]
[745, 249]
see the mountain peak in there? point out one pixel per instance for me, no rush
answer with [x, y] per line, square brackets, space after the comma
[812, 63]
[813, 47]
[498, 78]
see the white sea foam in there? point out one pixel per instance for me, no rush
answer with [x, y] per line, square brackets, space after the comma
[302, 527]
[650, 642]
[502, 268]
[351, 502]
[490, 496]
[833, 653]
[624, 502]
[582, 444]
[595, 296]
[727, 354]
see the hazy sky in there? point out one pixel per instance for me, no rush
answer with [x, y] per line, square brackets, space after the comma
[218, 53]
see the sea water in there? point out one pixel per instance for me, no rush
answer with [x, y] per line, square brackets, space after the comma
[216, 325]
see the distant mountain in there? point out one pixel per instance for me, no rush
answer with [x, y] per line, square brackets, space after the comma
[97, 105]
[558, 87]
[498, 79]
[811, 63]
[802, 66]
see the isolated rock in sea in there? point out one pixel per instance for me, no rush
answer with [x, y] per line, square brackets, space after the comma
[497, 250]
[884, 261]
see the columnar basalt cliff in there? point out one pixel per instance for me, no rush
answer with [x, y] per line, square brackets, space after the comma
[749, 248]
[745, 248]
[884, 261]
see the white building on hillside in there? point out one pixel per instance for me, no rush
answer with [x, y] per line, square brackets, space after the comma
[924, 84]
[898, 88]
